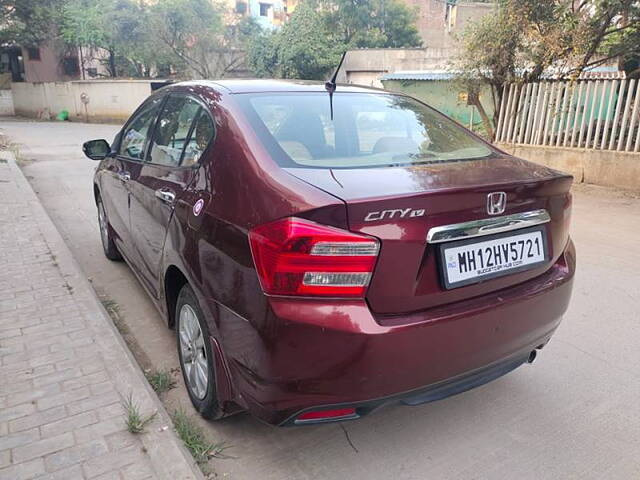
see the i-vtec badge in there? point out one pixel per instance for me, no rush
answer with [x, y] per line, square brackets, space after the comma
[395, 213]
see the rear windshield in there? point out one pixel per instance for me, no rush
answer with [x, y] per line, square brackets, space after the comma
[367, 130]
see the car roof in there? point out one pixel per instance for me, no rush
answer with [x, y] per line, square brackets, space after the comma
[272, 85]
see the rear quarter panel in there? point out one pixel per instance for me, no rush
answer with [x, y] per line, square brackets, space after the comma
[241, 188]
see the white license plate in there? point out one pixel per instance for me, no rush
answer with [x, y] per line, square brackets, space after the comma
[474, 261]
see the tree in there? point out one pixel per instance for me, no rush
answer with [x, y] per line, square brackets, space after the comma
[136, 53]
[309, 46]
[523, 39]
[118, 27]
[262, 55]
[370, 23]
[28, 22]
[303, 48]
[82, 24]
[195, 34]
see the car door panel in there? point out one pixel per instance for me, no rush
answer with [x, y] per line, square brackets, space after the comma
[123, 167]
[161, 185]
[151, 214]
[114, 196]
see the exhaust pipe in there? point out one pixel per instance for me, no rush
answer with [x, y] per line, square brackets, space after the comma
[532, 356]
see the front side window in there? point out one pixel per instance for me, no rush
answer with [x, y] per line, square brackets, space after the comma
[367, 130]
[135, 135]
[173, 130]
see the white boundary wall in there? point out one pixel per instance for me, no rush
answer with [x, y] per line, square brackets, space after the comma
[108, 100]
[6, 102]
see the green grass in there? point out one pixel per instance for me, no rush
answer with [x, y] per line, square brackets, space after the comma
[161, 380]
[136, 422]
[113, 309]
[194, 439]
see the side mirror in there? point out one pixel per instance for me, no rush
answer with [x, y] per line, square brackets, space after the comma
[96, 149]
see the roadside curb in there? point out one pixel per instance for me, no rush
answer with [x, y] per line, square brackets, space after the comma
[169, 458]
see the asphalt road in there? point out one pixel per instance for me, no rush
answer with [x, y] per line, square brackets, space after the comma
[574, 413]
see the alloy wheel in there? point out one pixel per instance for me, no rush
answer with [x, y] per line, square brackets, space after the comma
[194, 355]
[104, 227]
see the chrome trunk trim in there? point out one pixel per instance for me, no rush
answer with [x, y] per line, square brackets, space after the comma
[487, 226]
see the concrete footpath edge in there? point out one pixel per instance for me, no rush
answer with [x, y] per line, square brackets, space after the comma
[168, 456]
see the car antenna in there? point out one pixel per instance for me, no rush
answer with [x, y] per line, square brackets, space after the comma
[330, 86]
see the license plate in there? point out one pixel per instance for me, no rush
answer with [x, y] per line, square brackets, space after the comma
[475, 260]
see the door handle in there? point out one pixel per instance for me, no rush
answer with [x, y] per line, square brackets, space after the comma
[124, 176]
[166, 195]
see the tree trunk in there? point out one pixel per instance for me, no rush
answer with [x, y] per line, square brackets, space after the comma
[474, 99]
[112, 63]
[81, 62]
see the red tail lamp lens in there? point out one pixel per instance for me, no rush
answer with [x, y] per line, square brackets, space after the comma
[327, 414]
[299, 257]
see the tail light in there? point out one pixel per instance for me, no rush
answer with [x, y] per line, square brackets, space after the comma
[298, 257]
[320, 415]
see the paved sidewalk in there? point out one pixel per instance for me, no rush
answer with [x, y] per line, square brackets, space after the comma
[64, 369]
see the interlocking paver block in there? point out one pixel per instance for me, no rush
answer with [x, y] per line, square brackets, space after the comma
[63, 398]
[64, 372]
[75, 455]
[42, 447]
[33, 394]
[9, 413]
[23, 470]
[62, 377]
[37, 419]
[69, 424]
[101, 429]
[71, 473]
[112, 461]
[5, 458]
[19, 438]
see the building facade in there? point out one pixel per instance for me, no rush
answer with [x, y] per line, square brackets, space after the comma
[440, 22]
[267, 13]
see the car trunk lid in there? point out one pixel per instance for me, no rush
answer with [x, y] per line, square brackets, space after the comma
[399, 205]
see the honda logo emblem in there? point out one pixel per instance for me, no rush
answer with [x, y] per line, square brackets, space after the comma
[496, 203]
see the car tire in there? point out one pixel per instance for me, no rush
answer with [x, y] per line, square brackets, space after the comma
[108, 245]
[196, 355]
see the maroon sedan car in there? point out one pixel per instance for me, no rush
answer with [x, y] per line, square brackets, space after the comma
[322, 255]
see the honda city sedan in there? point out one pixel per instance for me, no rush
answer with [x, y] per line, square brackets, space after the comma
[322, 253]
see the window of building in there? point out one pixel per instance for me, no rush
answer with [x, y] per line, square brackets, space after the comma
[33, 53]
[264, 9]
[241, 8]
[71, 66]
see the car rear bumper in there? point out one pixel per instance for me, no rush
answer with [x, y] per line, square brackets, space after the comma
[316, 354]
[430, 393]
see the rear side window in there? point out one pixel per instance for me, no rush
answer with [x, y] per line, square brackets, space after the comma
[367, 130]
[173, 130]
[201, 135]
[135, 135]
